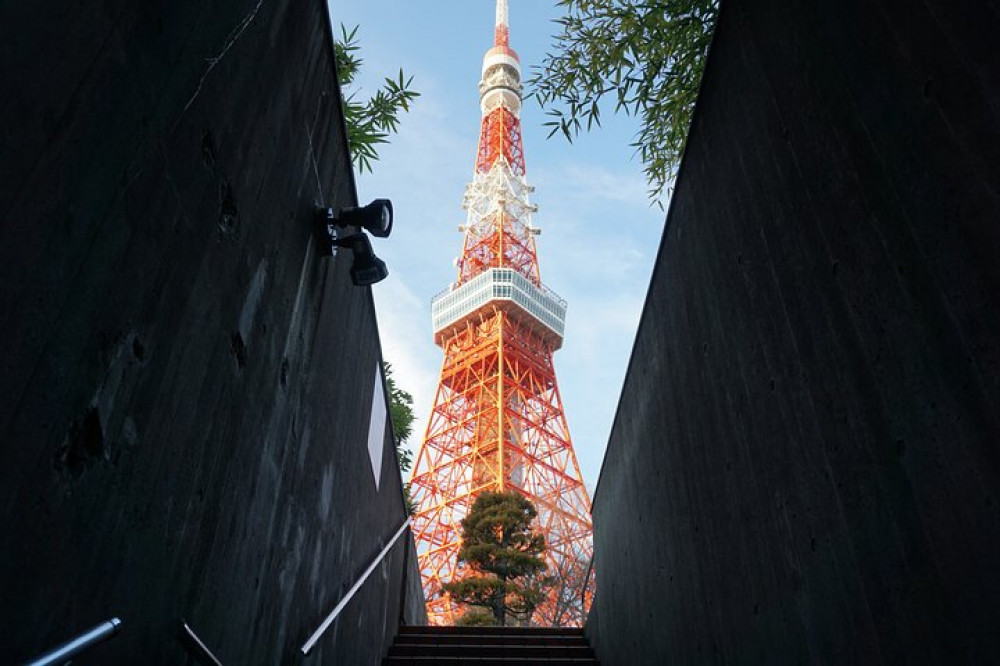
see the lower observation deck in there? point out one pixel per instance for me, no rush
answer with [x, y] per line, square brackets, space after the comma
[506, 288]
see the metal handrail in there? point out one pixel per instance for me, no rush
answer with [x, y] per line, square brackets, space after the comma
[316, 635]
[78, 645]
[194, 643]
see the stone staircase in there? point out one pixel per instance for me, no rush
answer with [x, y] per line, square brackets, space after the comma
[490, 646]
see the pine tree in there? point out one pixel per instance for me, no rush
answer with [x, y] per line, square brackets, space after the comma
[505, 572]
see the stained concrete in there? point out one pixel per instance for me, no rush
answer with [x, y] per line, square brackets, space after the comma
[805, 462]
[186, 383]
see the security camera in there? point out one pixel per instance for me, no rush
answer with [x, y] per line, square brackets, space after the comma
[376, 217]
[366, 269]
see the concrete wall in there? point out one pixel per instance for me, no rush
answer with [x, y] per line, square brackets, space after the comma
[805, 463]
[186, 384]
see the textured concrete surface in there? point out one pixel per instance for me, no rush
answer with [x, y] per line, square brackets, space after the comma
[186, 384]
[805, 462]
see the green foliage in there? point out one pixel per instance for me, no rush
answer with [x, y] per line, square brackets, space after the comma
[504, 558]
[371, 122]
[401, 415]
[477, 617]
[646, 56]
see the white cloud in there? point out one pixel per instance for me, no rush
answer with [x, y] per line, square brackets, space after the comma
[403, 323]
[582, 183]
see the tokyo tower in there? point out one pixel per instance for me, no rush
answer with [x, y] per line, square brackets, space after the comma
[497, 423]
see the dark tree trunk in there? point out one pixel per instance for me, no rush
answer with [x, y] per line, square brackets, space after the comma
[499, 597]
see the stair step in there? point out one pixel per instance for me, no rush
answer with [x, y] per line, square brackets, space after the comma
[490, 646]
[492, 631]
[493, 651]
[487, 661]
[480, 639]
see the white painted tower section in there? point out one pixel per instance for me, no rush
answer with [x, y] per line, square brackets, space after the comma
[503, 13]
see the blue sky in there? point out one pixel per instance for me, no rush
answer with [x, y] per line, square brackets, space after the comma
[599, 234]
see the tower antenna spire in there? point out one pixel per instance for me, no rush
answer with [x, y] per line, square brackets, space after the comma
[502, 31]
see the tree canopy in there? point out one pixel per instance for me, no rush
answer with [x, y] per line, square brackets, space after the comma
[504, 572]
[476, 617]
[401, 416]
[369, 123]
[646, 57]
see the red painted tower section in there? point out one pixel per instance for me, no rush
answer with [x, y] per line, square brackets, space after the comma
[497, 422]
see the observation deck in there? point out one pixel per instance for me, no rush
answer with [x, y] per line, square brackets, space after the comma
[531, 304]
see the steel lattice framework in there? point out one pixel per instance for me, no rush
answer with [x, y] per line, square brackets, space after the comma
[497, 421]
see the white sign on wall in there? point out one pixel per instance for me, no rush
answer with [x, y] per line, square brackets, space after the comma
[376, 427]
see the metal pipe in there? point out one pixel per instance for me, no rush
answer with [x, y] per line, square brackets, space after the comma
[204, 655]
[78, 645]
[309, 644]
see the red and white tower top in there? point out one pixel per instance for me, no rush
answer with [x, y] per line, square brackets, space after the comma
[500, 100]
[502, 37]
[499, 234]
